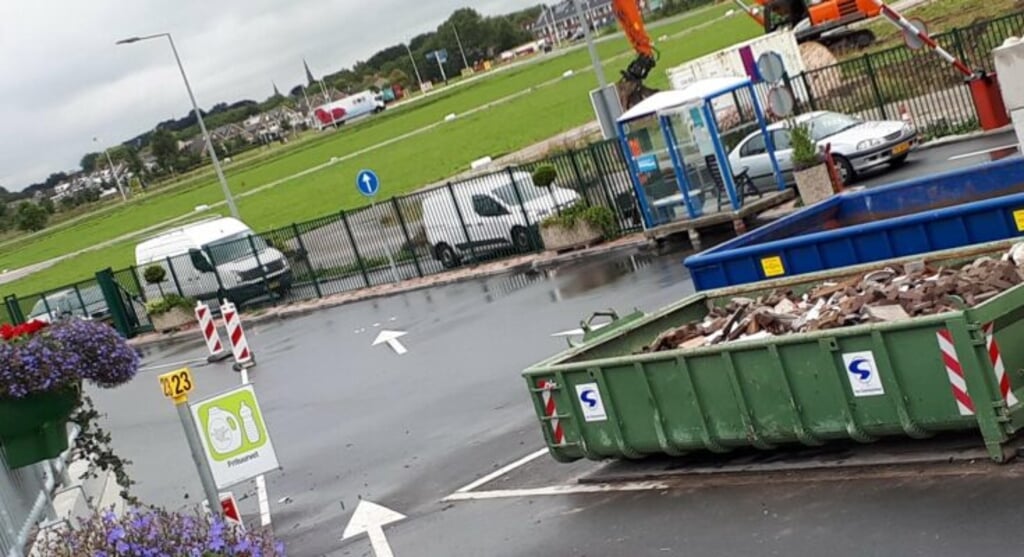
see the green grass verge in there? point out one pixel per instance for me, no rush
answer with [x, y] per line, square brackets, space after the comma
[403, 166]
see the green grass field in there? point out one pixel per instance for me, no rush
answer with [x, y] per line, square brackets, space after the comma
[406, 165]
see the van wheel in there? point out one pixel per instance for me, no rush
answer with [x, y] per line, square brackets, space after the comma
[521, 239]
[447, 256]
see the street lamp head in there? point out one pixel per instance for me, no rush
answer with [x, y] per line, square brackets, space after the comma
[129, 40]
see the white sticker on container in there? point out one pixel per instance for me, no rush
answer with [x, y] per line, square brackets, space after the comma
[863, 374]
[590, 400]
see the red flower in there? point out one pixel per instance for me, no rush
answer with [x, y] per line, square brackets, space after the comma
[32, 327]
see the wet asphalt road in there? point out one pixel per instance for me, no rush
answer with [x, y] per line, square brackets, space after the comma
[353, 421]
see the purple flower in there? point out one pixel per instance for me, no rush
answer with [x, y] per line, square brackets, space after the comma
[62, 355]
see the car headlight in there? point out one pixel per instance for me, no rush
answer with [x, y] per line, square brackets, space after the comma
[869, 143]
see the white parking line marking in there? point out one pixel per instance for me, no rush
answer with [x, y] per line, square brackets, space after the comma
[557, 490]
[261, 482]
[503, 470]
[978, 153]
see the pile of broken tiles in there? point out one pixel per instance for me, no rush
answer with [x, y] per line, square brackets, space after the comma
[893, 293]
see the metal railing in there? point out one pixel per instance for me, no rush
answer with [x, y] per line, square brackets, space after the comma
[26, 499]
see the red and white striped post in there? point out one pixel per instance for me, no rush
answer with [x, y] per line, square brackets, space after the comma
[236, 335]
[997, 365]
[907, 26]
[550, 411]
[209, 329]
[955, 372]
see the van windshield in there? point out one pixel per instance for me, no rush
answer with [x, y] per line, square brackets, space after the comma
[527, 191]
[234, 247]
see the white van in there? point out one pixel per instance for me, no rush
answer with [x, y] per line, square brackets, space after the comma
[493, 216]
[348, 108]
[211, 258]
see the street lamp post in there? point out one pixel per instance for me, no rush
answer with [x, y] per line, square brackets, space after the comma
[199, 117]
[465, 63]
[110, 164]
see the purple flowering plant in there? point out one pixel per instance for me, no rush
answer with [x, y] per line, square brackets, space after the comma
[38, 358]
[153, 532]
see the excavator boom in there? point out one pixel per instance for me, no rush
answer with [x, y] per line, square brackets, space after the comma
[631, 86]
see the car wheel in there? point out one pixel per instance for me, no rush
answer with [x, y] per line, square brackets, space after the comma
[898, 161]
[447, 256]
[846, 172]
[521, 239]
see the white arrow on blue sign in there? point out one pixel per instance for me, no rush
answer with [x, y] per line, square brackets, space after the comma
[368, 183]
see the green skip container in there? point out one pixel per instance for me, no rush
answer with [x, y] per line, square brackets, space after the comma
[956, 371]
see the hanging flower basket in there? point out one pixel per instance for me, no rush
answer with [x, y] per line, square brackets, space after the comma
[42, 368]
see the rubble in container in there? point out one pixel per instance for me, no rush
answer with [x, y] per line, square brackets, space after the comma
[890, 294]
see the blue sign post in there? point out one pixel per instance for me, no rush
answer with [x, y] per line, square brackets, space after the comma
[368, 183]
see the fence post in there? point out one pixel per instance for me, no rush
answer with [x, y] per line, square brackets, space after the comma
[579, 176]
[522, 207]
[138, 284]
[174, 277]
[874, 85]
[355, 248]
[601, 178]
[259, 265]
[305, 257]
[810, 91]
[14, 309]
[958, 44]
[462, 220]
[115, 303]
[411, 246]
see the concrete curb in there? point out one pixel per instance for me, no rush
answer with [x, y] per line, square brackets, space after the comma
[953, 139]
[527, 264]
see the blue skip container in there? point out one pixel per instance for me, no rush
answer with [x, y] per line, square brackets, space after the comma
[968, 206]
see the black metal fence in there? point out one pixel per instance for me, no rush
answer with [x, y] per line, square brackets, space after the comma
[423, 233]
[883, 84]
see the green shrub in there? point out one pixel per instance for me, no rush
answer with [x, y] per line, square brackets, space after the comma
[805, 150]
[154, 274]
[544, 176]
[599, 217]
[168, 303]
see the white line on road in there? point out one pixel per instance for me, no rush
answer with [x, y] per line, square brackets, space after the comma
[261, 482]
[979, 153]
[182, 363]
[503, 470]
[557, 490]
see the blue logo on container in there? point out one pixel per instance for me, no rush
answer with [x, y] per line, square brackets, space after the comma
[647, 163]
[862, 369]
[589, 397]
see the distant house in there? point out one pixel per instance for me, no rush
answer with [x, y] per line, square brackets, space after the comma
[559, 22]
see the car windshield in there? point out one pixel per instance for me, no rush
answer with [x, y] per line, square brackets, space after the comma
[234, 247]
[527, 191]
[829, 124]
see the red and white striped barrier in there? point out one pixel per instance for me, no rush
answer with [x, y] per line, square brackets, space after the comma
[907, 26]
[955, 372]
[997, 364]
[550, 411]
[209, 330]
[236, 334]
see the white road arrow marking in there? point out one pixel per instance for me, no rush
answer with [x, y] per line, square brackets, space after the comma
[391, 337]
[371, 518]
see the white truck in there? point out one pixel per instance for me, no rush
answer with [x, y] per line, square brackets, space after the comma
[213, 258]
[348, 108]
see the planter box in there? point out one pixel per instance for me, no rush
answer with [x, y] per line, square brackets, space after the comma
[814, 184]
[557, 238]
[174, 319]
[34, 428]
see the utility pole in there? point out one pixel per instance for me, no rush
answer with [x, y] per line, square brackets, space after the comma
[594, 59]
[465, 63]
[419, 80]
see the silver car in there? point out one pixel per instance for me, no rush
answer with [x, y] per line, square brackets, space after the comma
[857, 145]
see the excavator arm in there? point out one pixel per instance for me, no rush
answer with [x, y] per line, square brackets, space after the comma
[631, 86]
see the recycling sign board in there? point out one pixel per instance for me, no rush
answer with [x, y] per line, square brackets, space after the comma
[234, 436]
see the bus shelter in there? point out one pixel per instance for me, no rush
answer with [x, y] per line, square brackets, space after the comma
[678, 155]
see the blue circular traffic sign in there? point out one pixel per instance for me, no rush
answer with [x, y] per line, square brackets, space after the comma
[368, 183]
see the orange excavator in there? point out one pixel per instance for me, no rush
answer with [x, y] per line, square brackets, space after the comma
[824, 21]
[631, 86]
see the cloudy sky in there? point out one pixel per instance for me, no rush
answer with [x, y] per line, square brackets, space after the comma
[63, 82]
